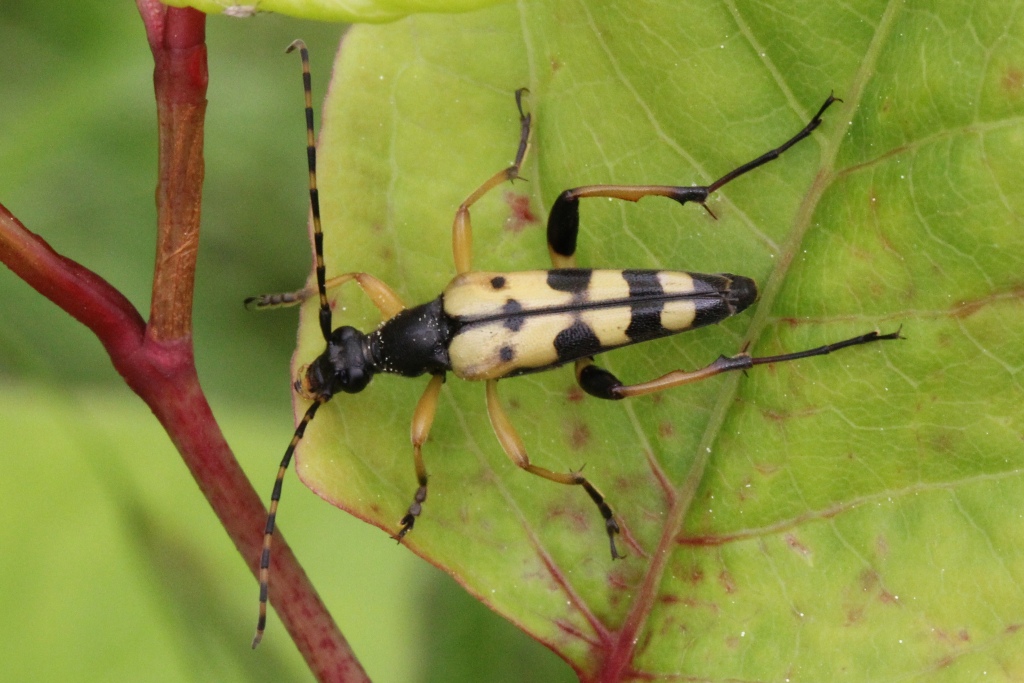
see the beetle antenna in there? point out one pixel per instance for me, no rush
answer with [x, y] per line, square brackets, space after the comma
[314, 194]
[268, 533]
[325, 327]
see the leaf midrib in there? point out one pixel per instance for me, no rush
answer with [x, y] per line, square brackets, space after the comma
[686, 491]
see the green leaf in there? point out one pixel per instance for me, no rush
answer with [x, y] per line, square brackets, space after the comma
[856, 515]
[335, 10]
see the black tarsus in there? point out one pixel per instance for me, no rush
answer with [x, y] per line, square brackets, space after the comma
[564, 217]
[771, 155]
[872, 336]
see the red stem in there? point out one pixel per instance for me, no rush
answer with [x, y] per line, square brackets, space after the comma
[156, 360]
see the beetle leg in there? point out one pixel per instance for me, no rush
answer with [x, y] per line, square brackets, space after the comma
[564, 218]
[382, 296]
[603, 384]
[513, 445]
[422, 420]
[462, 228]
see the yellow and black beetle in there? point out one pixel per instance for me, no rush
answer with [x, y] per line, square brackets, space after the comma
[488, 326]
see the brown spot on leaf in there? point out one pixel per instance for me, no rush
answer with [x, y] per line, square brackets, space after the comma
[794, 544]
[574, 394]
[943, 442]
[577, 520]
[1013, 80]
[520, 213]
[726, 581]
[709, 605]
[579, 436]
[616, 581]
[967, 308]
[666, 430]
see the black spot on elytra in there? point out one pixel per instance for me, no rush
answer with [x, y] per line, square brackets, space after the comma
[574, 280]
[643, 283]
[506, 353]
[644, 313]
[711, 305]
[513, 313]
[576, 341]
[497, 282]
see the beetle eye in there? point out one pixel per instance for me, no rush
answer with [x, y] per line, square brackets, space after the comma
[352, 379]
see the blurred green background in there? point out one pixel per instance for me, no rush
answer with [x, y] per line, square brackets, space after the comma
[112, 566]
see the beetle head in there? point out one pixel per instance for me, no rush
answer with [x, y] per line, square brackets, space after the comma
[343, 366]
